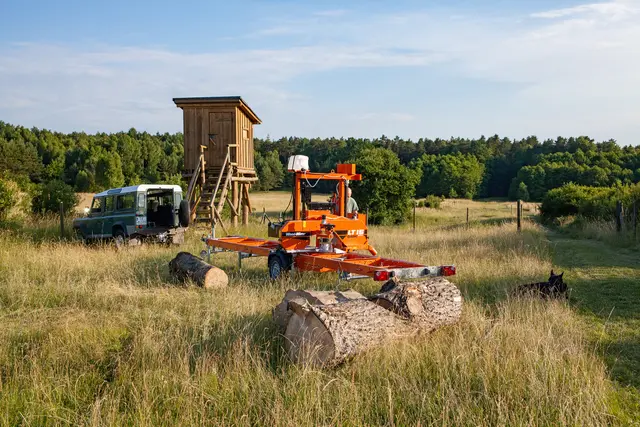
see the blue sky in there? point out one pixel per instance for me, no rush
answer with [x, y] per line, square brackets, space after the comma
[327, 68]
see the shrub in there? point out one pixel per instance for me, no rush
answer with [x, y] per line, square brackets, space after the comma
[523, 192]
[387, 187]
[589, 202]
[8, 197]
[50, 195]
[450, 175]
[432, 201]
[83, 181]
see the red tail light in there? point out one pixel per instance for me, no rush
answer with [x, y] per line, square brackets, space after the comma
[381, 275]
[448, 270]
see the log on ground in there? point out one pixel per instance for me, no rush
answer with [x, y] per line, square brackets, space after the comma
[186, 266]
[431, 303]
[328, 334]
[282, 312]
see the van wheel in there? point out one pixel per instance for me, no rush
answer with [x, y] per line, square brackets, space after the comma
[119, 238]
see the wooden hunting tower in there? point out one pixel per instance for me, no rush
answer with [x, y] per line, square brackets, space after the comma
[218, 156]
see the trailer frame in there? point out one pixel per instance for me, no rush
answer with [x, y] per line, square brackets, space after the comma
[323, 237]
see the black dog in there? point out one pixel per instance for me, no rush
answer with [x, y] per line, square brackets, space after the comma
[553, 288]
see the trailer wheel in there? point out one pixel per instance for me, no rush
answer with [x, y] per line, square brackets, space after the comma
[279, 264]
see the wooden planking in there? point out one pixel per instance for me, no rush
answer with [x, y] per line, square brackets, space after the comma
[189, 135]
[232, 126]
[244, 132]
[221, 123]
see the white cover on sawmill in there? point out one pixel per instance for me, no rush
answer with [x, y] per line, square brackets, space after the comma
[298, 163]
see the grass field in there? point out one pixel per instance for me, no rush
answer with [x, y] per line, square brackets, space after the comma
[95, 336]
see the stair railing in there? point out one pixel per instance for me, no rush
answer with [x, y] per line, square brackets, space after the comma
[198, 175]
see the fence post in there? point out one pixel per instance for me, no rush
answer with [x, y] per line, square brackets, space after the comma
[467, 217]
[61, 220]
[618, 216]
[519, 213]
[414, 215]
[635, 221]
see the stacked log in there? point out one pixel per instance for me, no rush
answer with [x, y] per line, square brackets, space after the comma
[190, 267]
[327, 328]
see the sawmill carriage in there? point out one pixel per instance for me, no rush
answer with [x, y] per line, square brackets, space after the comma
[322, 236]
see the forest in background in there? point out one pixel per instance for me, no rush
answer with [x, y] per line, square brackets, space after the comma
[471, 168]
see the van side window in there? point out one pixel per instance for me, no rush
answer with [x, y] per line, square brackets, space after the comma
[125, 202]
[108, 205]
[96, 206]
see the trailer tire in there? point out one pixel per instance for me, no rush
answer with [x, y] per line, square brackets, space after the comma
[184, 213]
[279, 265]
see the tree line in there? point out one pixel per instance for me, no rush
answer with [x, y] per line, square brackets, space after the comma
[457, 167]
[476, 168]
[89, 163]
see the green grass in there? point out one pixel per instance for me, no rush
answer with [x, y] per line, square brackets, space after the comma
[606, 292]
[97, 336]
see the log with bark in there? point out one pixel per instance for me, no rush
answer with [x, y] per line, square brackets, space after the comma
[186, 266]
[282, 312]
[323, 332]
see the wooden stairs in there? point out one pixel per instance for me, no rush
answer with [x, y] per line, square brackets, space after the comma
[209, 190]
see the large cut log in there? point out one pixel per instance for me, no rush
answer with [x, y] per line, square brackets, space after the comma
[281, 313]
[325, 335]
[328, 334]
[186, 266]
[430, 303]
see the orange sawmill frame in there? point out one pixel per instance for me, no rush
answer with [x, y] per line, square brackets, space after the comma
[324, 238]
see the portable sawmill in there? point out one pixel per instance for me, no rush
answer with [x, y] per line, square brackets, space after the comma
[322, 236]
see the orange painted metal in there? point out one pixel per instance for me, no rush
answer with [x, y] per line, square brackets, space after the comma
[346, 168]
[247, 245]
[310, 260]
[303, 236]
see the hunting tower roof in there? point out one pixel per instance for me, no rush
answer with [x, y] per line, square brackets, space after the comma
[219, 100]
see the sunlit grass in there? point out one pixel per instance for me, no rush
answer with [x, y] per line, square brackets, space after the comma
[92, 335]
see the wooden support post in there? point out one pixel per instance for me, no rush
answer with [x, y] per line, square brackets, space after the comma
[203, 177]
[519, 213]
[467, 217]
[414, 215]
[246, 206]
[619, 216]
[234, 201]
[216, 214]
[61, 220]
[635, 221]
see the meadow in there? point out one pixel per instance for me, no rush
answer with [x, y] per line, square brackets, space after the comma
[91, 335]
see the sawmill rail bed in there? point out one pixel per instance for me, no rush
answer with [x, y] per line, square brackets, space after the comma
[349, 265]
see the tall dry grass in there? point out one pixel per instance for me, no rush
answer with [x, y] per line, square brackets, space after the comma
[95, 336]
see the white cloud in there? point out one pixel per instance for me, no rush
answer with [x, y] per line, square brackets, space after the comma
[570, 71]
[614, 10]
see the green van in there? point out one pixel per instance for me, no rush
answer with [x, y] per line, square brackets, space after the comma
[134, 214]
